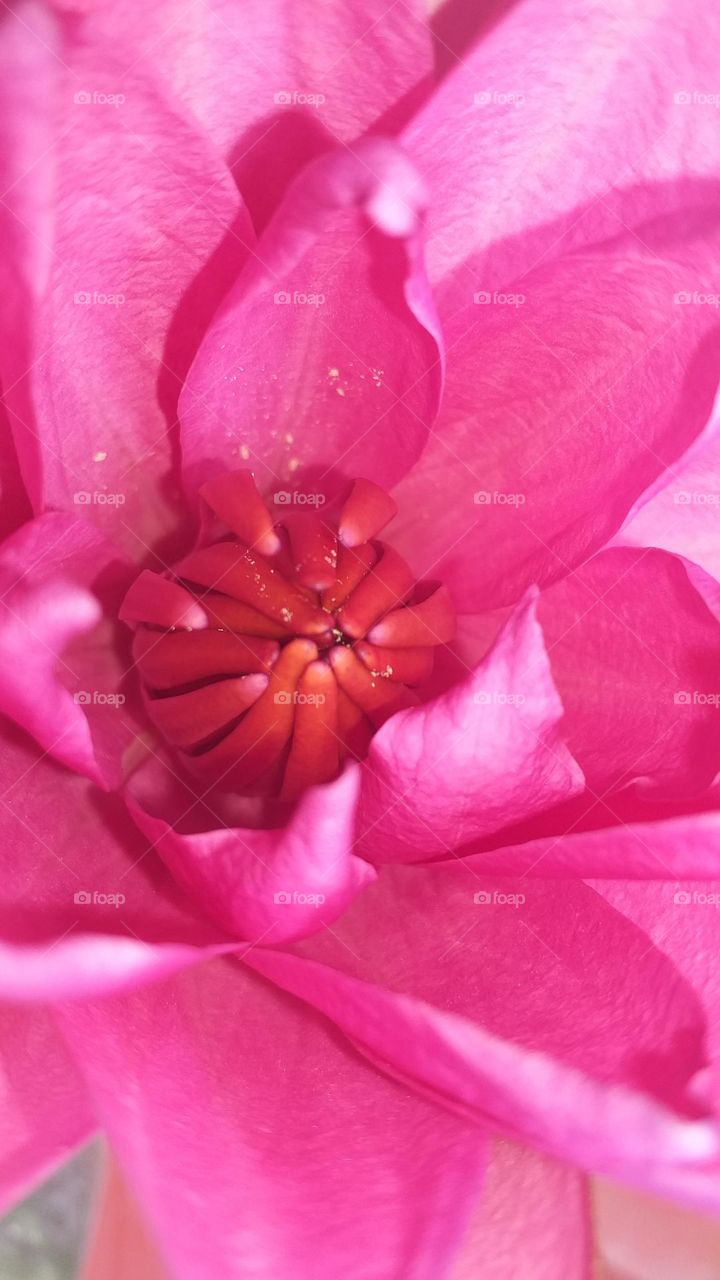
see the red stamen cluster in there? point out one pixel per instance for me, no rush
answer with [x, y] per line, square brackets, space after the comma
[270, 656]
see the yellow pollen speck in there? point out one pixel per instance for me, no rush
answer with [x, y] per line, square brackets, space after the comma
[340, 391]
[293, 464]
[333, 373]
[244, 452]
[100, 456]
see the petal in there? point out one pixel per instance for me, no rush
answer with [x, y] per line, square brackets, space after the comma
[115, 215]
[632, 621]
[85, 907]
[532, 1220]
[617, 846]
[48, 570]
[271, 86]
[45, 1110]
[120, 1248]
[568, 394]
[681, 920]
[477, 758]
[216, 1087]
[642, 1238]
[680, 512]
[270, 886]
[552, 112]
[324, 360]
[531, 1006]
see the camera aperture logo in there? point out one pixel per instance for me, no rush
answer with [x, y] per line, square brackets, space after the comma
[296, 898]
[496, 898]
[85, 898]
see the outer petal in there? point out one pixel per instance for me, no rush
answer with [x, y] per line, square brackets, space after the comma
[635, 653]
[272, 87]
[531, 1006]
[483, 755]
[532, 1220]
[270, 886]
[641, 1238]
[45, 1109]
[680, 512]
[121, 1248]
[567, 395]
[549, 114]
[682, 923]
[324, 361]
[85, 908]
[617, 847]
[48, 569]
[295, 1158]
[114, 206]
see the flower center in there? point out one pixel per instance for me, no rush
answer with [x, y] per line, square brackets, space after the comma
[274, 651]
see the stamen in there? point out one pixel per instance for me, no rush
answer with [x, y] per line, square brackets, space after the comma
[271, 658]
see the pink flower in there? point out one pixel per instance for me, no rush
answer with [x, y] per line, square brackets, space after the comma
[374, 1009]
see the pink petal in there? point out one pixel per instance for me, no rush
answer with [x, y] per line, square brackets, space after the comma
[47, 571]
[532, 1220]
[681, 919]
[325, 359]
[680, 512]
[272, 87]
[274, 885]
[121, 1248]
[565, 400]
[650, 710]
[481, 756]
[642, 1238]
[296, 1158]
[554, 112]
[114, 208]
[46, 1113]
[530, 1006]
[617, 846]
[86, 907]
